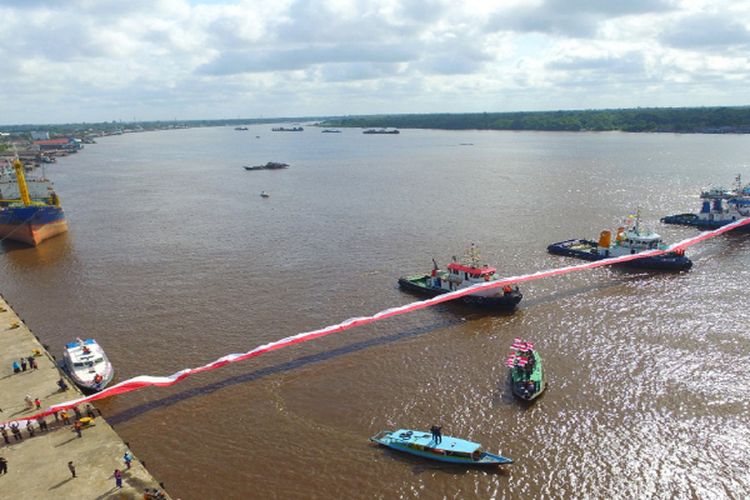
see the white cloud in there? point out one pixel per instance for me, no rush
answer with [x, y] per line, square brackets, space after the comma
[89, 60]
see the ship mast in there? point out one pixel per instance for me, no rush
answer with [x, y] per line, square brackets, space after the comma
[21, 179]
[638, 221]
[473, 255]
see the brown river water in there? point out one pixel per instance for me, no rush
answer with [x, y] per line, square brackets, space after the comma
[173, 259]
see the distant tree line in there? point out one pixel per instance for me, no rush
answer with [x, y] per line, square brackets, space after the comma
[714, 120]
[78, 128]
[679, 120]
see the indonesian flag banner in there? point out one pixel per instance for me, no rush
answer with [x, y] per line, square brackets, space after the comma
[141, 381]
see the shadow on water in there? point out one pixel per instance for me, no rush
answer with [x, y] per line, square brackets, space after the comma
[138, 410]
[549, 298]
[421, 465]
[11, 245]
[294, 364]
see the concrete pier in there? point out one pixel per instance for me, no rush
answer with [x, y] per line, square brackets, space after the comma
[38, 465]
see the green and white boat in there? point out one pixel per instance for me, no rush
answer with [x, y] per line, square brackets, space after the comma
[526, 371]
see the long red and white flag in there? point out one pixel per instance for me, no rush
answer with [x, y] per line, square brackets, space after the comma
[141, 381]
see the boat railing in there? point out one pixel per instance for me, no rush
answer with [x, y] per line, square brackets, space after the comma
[380, 436]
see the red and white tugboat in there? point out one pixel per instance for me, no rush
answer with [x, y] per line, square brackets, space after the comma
[463, 275]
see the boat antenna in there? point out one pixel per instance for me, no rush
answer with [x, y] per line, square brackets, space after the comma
[473, 255]
[638, 220]
[434, 263]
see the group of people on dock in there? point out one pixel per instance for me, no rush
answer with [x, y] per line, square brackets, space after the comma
[78, 424]
[20, 365]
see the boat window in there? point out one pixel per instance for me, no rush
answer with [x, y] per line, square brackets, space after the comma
[78, 365]
[466, 275]
[99, 360]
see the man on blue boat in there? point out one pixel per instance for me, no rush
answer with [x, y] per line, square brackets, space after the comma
[436, 434]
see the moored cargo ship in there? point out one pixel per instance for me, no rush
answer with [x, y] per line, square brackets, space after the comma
[30, 221]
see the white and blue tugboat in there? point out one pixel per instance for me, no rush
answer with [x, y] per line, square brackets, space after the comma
[627, 242]
[446, 449]
[463, 275]
[719, 207]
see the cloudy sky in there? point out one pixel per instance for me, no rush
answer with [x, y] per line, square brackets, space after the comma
[102, 60]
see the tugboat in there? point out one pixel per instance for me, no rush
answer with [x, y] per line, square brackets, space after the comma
[719, 207]
[627, 242]
[88, 365]
[460, 276]
[526, 373]
[443, 449]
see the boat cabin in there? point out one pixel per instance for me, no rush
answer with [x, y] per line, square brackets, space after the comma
[471, 273]
[81, 355]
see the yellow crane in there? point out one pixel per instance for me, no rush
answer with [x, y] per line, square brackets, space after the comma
[23, 189]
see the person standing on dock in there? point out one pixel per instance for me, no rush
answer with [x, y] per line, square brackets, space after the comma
[3, 465]
[72, 468]
[23, 365]
[16, 432]
[118, 478]
[62, 385]
[42, 424]
[4, 432]
[38, 403]
[127, 458]
[77, 427]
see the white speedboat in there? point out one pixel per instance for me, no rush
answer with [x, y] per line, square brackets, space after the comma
[88, 365]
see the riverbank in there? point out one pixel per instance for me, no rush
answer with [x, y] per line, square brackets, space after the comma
[38, 464]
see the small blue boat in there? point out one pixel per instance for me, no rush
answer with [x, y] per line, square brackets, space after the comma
[450, 449]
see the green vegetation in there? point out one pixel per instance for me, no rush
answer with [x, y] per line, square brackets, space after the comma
[681, 120]
[107, 128]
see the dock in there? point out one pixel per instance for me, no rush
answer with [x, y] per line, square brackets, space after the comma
[38, 464]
